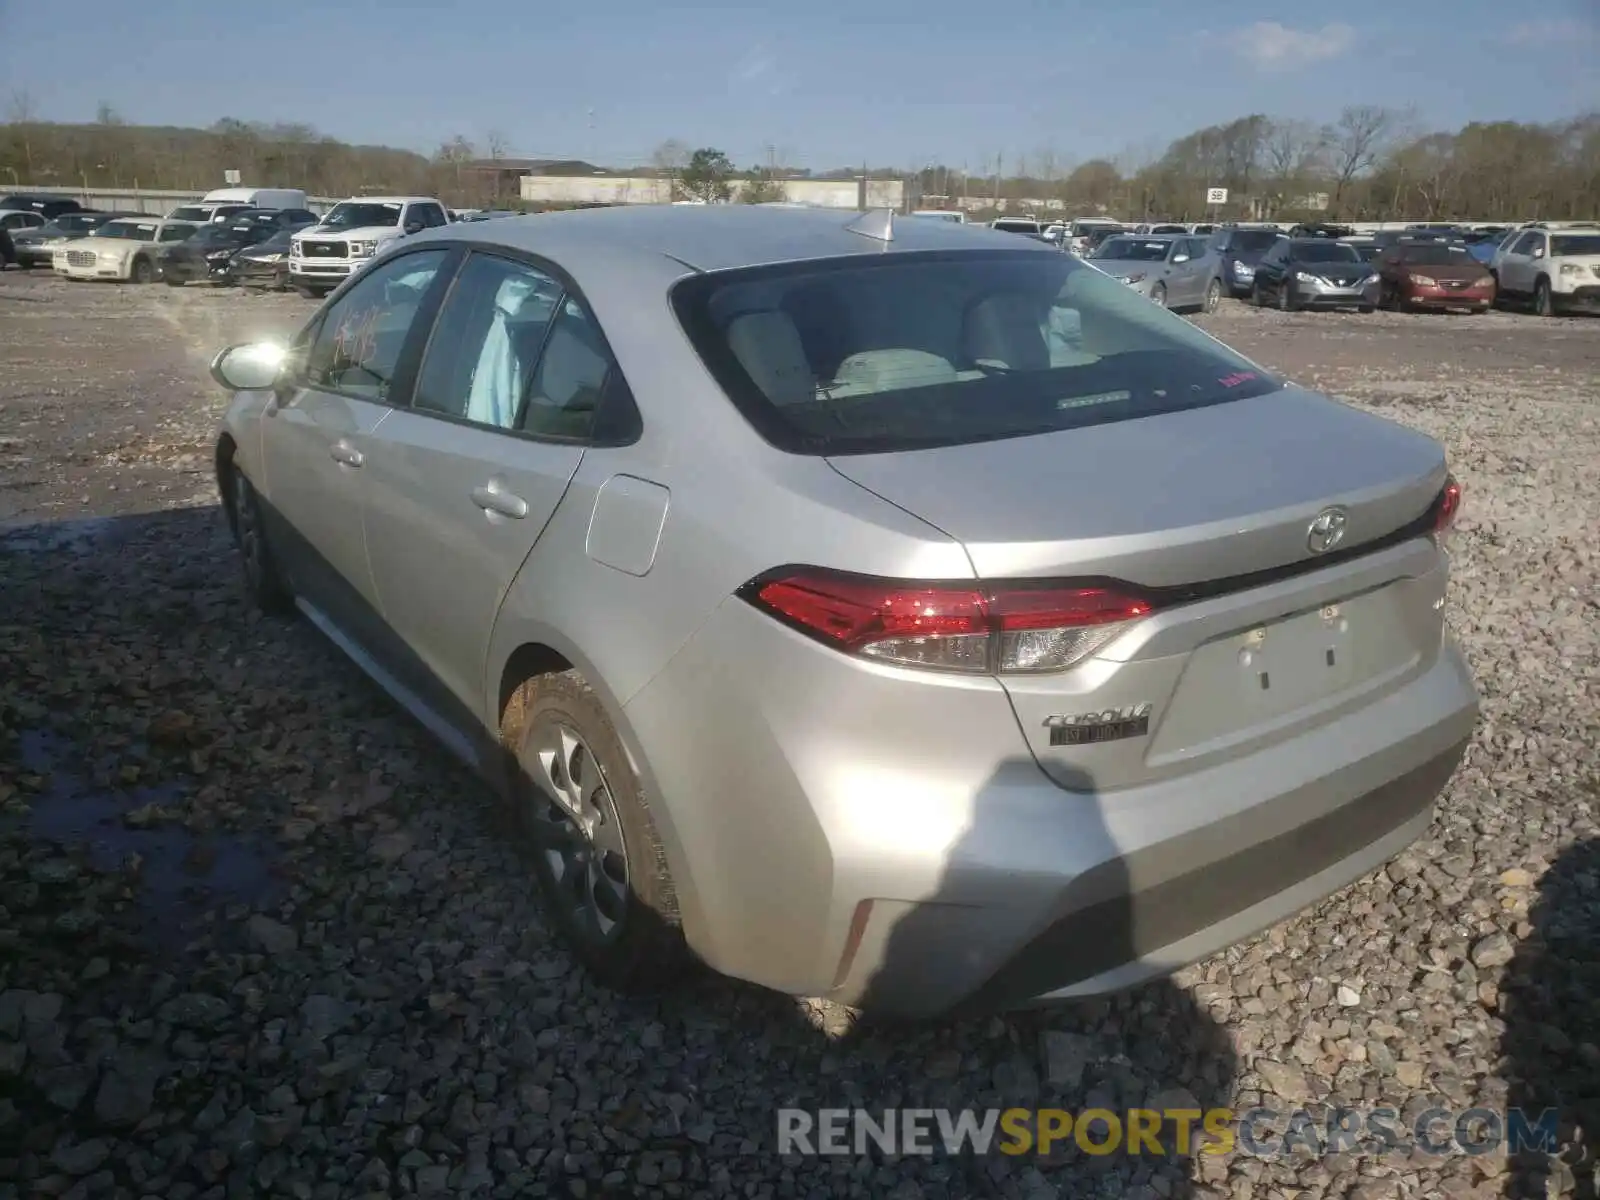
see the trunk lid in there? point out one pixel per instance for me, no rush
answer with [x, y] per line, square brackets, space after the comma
[1254, 636]
[1169, 500]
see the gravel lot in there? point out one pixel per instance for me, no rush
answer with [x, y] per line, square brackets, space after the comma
[257, 937]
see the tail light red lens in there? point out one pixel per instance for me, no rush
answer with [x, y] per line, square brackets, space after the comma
[954, 627]
[1447, 506]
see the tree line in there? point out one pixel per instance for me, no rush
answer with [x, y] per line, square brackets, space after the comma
[1369, 163]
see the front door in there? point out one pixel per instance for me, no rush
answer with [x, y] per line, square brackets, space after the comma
[316, 437]
[463, 482]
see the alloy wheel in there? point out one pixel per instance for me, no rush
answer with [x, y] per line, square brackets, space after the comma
[578, 829]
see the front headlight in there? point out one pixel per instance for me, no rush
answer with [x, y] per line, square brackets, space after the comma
[218, 255]
[363, 249]
[1131, 279]
[269, 258]
[1303, 277]
[1370, 279]
[1425, 280]
[1571, 269]
[1243, 270]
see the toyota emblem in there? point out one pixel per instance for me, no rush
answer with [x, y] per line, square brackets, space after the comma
[1327, 531]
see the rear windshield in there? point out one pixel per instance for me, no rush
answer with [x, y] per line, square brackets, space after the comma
[1310, 252]
[863, 356]
[1132, 250]
[1439, 254]
[140, 231]
[190, 212]
[1017, 226]
[1586, 243]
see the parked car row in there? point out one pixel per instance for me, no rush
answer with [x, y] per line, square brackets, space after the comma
[259, 237]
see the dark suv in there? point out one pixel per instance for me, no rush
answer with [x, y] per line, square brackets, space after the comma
[48, 207]
[1240, 249]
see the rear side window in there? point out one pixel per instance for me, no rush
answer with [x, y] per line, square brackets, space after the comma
[485, 344]
[910, 350]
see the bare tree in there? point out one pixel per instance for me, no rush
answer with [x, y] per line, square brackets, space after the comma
[21, 113]
[496, 144]
[1291, 156]
[1356, 141]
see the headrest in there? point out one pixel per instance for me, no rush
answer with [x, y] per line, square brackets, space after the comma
[768, 346]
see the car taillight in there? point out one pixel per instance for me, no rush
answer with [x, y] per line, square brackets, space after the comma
[1447, 506]
[974, 627]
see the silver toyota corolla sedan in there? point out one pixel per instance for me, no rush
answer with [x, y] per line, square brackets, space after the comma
[894, 611]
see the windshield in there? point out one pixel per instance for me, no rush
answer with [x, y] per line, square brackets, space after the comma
[278, 241]
[1252, 239]
[1017, 226]
[1132, 250]
[919, 350]
[1168, 229]
[359, 216]
[133, 231]
[70, 225]
[1325, 252]
[1441, 254]
[190, 212]
[1569, 243]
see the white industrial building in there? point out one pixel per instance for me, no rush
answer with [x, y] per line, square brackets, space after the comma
[650, 189]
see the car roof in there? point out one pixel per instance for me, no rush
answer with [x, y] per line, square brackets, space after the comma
[388, 199]
[717, 237]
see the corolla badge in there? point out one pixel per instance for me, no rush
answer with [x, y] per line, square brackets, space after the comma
[1108, 725]
[1327, 531]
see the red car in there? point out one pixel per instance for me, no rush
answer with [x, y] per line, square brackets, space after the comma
[1433, 274]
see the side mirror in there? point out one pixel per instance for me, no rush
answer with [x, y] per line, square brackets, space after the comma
[1538, 251]
[1180, 258]
[414, 227]
[254, 366]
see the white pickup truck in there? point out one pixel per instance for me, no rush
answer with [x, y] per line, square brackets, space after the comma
[322, 257]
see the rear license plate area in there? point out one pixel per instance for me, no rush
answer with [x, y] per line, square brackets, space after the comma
[1291, 663]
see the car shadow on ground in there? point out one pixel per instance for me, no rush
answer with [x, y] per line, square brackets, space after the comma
[1550, 1006]
[223, 850]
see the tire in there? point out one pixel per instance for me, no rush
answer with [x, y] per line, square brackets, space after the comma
[1258, 298]
[1544, 303]
[142, 271]
[1213, 296]
[263, 582]
[1285, 298]
[559, 741]
[1365, 308]
[171, 282]
[1158, 295]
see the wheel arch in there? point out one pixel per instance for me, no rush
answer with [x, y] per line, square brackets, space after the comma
[530, 651]
[223, 464]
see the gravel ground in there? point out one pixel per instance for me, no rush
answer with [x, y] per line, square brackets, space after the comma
[257, 937]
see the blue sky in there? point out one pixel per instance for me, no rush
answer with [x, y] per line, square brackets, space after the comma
[824, 82]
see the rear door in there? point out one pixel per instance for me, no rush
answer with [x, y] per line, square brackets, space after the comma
[317, 436]
[1517, 265]
[464, 481]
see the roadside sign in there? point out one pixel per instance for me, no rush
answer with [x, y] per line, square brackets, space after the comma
[231, 178]
[1216, 195]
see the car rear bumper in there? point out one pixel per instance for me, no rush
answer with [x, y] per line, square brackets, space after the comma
[888, 840]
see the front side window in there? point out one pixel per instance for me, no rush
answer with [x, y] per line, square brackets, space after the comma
[485, 345]
[358, 343]
[940, 349]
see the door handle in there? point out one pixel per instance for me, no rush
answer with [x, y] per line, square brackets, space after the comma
[343, 452]
[493, 498]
